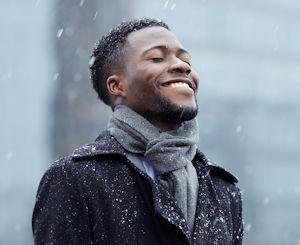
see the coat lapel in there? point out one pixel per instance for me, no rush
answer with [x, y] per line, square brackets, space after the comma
[166, 207]
[210, 221]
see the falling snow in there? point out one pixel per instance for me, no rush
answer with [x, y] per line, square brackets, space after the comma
[173, 6]
[81, 3]
[92, 60]
[248, 227]
[59, 33]
[166, 4]
[239, 129]
[266, 201]
[95, 15]
[9, 155]
[55, 76]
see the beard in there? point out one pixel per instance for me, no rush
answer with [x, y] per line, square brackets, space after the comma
[176, 113]
[166, 110]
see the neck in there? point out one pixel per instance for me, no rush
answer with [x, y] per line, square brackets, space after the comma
[164, 126]
[156, 121]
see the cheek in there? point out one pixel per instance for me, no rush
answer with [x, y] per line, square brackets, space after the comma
[142, 80]
[139, 89]
[145, 80]
[194, 77]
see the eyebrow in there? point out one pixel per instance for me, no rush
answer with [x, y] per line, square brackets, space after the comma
[164, 47]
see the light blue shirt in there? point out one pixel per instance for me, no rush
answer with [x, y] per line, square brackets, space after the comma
[149, 170]
[142, 164]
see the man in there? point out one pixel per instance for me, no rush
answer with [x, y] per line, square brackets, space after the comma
[143, 181]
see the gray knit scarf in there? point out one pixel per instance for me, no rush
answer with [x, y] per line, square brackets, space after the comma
[170, 154]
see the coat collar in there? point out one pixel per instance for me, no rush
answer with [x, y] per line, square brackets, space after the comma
[106, 144]
[215, 169]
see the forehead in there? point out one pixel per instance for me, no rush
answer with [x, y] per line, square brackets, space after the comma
[152, 36]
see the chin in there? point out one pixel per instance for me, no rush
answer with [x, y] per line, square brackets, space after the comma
[176, 113]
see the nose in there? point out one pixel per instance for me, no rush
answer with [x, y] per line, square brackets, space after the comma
[179, 66]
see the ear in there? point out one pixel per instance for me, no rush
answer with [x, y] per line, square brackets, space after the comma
[116, 85]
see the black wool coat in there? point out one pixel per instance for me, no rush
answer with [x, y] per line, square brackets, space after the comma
[97, 196]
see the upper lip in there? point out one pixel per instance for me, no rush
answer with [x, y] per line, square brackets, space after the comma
[186, 80]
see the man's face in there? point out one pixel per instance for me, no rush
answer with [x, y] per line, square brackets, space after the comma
[159, 81]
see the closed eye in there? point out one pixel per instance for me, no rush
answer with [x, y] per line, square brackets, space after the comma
[186, 60]
[157, 59]
[189, 63]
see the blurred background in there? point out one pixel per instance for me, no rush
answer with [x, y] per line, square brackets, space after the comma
[247, 54]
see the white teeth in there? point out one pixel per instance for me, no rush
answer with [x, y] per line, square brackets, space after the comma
[179, 84]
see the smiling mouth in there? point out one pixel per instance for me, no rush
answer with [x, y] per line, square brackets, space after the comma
[179, 83]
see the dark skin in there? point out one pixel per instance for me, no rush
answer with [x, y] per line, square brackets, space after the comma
[157, 70]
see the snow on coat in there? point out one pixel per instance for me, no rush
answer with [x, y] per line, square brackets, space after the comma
[97, 196]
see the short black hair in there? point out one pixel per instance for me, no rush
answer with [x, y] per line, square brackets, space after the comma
[108, 55]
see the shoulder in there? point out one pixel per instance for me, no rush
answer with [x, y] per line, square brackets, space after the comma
[220, 171]
[225, 183]
[104, 145]
[99, 157]
[62, 172]
[214, 170]
[58, 168]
